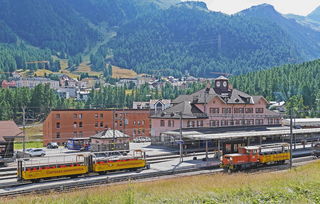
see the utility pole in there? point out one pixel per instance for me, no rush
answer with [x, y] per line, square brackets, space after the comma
[113, 130]
[291, 136]
[181, 156]
[24, 128]
[219, 43]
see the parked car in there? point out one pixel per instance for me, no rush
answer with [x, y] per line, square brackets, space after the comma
[142, 139]
[52, 145]
[36, 152]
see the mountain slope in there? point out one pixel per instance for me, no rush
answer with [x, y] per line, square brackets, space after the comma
[193, 39]
[306, 39]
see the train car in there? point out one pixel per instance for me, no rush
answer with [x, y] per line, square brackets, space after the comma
[81, 144]
[108, 164]
[254, 156]
[316, 150]
[77, 165]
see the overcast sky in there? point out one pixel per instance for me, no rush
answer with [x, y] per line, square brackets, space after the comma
[299, 7]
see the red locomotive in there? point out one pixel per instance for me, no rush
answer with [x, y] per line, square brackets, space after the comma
[253, 156]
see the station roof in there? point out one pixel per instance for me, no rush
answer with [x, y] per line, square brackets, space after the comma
[9, 129]
[303, 121]
[240, 133]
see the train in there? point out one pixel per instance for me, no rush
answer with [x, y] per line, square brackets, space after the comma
[255, 156]
[78, 165]
[316, 150]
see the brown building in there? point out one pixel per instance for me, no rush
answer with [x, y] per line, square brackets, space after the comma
[60, 125]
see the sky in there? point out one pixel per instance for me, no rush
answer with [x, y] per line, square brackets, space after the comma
[298, 7]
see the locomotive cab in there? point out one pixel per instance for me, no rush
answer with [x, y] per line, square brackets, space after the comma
[247, 157]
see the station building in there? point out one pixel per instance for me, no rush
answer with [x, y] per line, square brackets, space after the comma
[213, 109]
[60, 125]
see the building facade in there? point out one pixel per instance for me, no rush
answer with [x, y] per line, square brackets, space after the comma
[33, 82]
[221, 106]
[60, 125]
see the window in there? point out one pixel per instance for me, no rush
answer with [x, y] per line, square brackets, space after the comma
[75, 116]
[201, 123]
[270, 121]
[162, 123]
[169, 123]
[80, 115]
[96, 124]
[80, 124]
[116, 115]
[96, 115]
[134, 122]
[139, 132]
[143, 131]
[80, 134]
[231, 122]
[259, 121]
[242, 122]
[173, 123]
[224, 123]
[238, 110]
[276, 121]
[193, 123]
[57, 116]
[143, 122]
[74, 134]
[237, 122]
[57, 125]
[101, 115]
[259, 110]
[58, 135]
[214, 110]
[226, 110]
[134, 131]
[120, 123]
[138, 122]
[75, 125]
[214, 123]
[101, 124]
[249, 110]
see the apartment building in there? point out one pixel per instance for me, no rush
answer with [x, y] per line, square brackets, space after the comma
[60, 125]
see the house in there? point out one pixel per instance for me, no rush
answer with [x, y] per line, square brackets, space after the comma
[109, 140]
[67, 82]
[9, 131]
[154, 105]
[221, 106]
[8, 84]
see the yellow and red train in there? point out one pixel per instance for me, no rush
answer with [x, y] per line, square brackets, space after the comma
[78, 165]
[254, 156]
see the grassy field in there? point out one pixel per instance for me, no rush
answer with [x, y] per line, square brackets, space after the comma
[85, 68]
[300, 185]
[118, 72]
[33, 144]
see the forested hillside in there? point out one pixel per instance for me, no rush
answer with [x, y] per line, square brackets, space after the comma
[190, 38]
[302, 82]
[161, 37]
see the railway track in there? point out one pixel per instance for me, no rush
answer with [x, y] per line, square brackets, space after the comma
[65, 185]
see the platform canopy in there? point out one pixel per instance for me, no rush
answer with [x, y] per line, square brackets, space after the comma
[238, 133]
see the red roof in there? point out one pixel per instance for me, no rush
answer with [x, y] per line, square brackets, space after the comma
[9, 129]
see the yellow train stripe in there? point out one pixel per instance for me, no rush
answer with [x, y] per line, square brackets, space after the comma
[55, 172]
